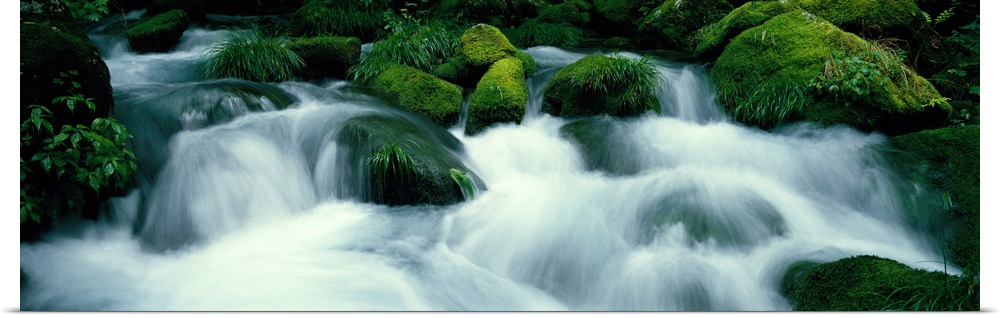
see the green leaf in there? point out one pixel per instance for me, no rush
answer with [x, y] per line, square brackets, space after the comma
[47, 164]
[24, 213]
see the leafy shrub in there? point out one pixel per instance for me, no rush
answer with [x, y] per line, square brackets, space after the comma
[90, 10]
[253, 56]
[421, 46]
[72, 160]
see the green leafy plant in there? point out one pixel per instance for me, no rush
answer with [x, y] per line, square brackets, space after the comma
[464, 182]
[389, 166]
[851, 77]
[253, 56]
[73, 158]
[418, 45]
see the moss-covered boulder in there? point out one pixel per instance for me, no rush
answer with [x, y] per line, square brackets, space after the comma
[528, 63]
[159, 33]
[711, 39]
[616, 17]
[327, 56]
[871, 283]
[598, 84]
[361, 19]
[672, 24]
[57, 59]
[948, 160]
[797, 66]
[422, 177]
[870, 19]
[484, 44]
[195, 9]
[574, 12]
[421, 93]
[500, 97]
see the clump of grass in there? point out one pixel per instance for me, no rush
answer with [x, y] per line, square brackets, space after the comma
[954, 293]
[253, 56]
[341, 18]
[770, 105]
[464, 182]
[533, 33]
[634, 81]
[390, 166]
[418, 45]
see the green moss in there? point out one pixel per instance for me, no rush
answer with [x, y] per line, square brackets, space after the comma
[951, 159]
[500, 97]
[671, 24]
[159, 33]
[597, 84]
[869, 283]
[571, 12]
[713, 38]
[871, 19]
[790, 50]
[327, 56]
[361, 19]
[421, 93]
[484, 44]
[528, 62]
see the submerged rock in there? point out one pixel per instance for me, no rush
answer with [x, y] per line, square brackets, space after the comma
[797, 66]
[427, 179]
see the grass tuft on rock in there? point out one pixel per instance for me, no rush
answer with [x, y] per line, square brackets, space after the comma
[253, 56]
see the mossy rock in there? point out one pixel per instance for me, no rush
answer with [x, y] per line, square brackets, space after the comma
[159, 33]
[865, 283]
[528, 63]
[484, 44]
[948, 158]
[616, 17]
[327, 56]
[364, 20]
[195, 9]
[764, 77]
[500, 97]
[711, 39]
[598, 84]
[55, 56]
[433, 153]
[421, 93]
[870, 19]
[574, 13]
[671, 25]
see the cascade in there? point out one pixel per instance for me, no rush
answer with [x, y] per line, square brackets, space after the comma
[245, 201]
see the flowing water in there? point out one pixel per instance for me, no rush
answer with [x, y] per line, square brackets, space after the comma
[241, 204]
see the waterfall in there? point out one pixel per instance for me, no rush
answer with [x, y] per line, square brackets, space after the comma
[245, 203]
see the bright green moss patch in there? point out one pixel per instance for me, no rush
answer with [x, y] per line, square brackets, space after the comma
[671, 24]
[712, 38]
[500, 97]
[598, 84]
[484, 44]
[871, 283]
[871, 19]
[327, 56]
[528, 62]
[421, 93]
[159, 33]
[765, 67]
